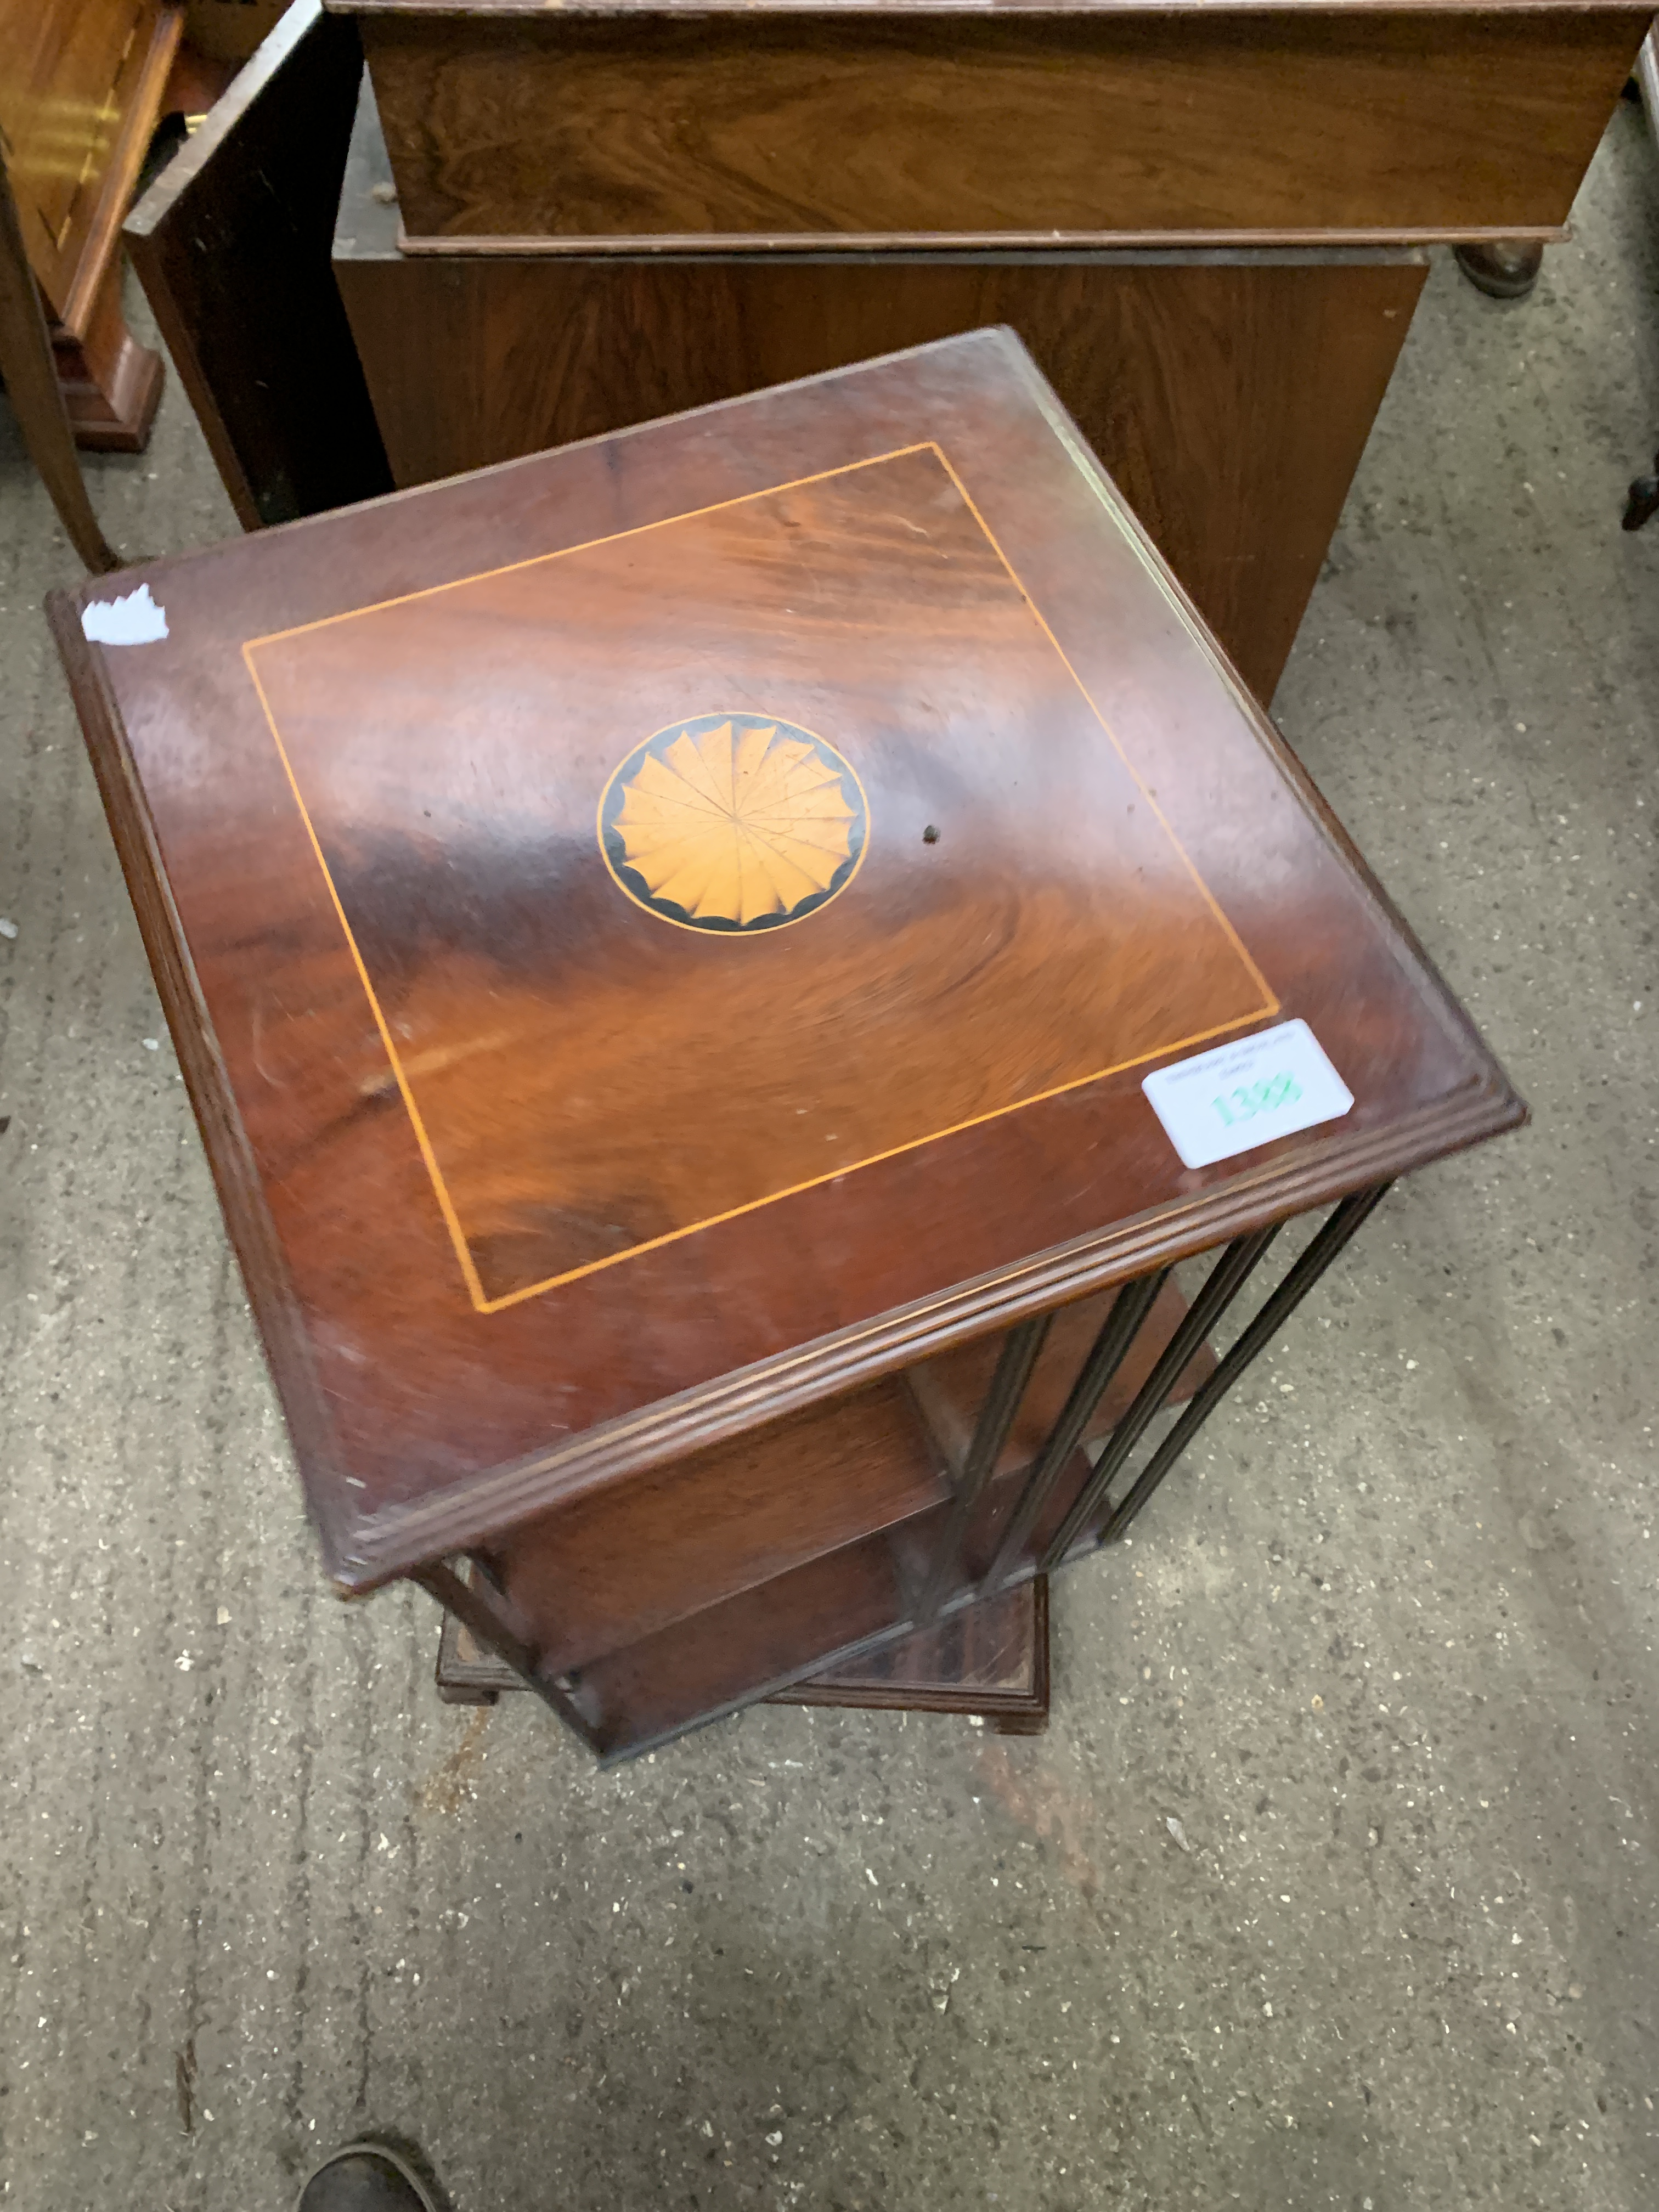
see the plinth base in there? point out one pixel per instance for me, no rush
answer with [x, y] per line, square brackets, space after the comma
[111, 384]
[990, 1659]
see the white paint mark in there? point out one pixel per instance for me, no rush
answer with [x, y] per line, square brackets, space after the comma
[134, 620]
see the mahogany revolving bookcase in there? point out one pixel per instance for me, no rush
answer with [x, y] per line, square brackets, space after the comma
[723, 970]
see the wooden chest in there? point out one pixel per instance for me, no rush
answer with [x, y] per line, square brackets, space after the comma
[668, 941]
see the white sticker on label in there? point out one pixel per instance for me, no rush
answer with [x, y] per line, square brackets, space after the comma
[134, 620]
[1246, 1094]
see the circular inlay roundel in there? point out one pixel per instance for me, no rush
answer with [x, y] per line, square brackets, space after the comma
[733, 822]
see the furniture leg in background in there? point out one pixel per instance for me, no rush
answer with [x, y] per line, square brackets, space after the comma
[111, 386]
[26, 363]
[1643, 501]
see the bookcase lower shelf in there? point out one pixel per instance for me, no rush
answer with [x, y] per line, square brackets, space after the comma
[888, 1547]
[990, 1659]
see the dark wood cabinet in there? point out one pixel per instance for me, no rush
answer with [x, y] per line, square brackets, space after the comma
[231, 244]
[1209, 229]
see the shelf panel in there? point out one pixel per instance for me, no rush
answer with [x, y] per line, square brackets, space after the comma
[992, 1660]
[731, 1654]
[607, 1570]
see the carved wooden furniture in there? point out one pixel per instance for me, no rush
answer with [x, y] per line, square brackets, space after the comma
[81, 87]
[666, 941]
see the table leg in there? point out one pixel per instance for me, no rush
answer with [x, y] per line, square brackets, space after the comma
[26, 363]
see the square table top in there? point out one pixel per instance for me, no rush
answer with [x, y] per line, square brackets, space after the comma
[661, 932]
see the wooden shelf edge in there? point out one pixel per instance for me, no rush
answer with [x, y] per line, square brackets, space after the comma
[740, 245]
[903, 1676]
[391, 1542]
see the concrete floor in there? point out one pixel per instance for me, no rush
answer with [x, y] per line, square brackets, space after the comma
[1386, 1650]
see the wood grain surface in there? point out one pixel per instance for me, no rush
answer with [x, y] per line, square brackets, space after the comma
[80, 85]
[622, 1561]
[424, 1424]
[32, 387]
[1230, 394]
[900, 121]
[991, 1659]
[722, 1073]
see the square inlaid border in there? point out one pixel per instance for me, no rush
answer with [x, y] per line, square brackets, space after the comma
[485, 1304]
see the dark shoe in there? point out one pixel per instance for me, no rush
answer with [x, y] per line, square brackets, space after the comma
[1505, 269]
[365, 2176]
[1642, 503]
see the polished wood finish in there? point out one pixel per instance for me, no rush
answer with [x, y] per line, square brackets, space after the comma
[596, 1575]
[621, 1563]
[111, 384]
[231, 244]
[536, 1189]
[1024, 973]
[79, 94]
[991, 1660]
[1230, 394]
[778, 125]
[32, 387]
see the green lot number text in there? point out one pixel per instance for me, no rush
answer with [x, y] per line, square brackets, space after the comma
[1243, 1105]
